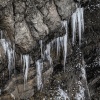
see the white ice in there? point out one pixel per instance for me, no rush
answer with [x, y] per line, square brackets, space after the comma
[9, 52]
[48, 53]
[74, 26]
[78, 24]
[65, 42]
[39, 67]
[26, 65]
[58, 45]
[41, 46]
[3, 43]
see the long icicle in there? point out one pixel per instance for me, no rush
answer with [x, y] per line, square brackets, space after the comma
[49, 53]
[39, 67]
[58, 45]
[65, 42]
[74, 26]
[41, 47]
[25, 67]
[79, 24]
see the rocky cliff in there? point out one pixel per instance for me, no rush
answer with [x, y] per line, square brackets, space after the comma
[43, 55]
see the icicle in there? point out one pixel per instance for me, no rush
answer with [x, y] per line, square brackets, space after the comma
[41, 46]
[74, 26]
[0, 91]
[3, 43]
[65, 42]
[9, 51]
[21, 58]
[25, 66]
[78, 22]
[48, 53]
[58, 45]
[39, 67]
[11, 57]
[1, 33]
[52, 43]
[62, 41]
[82, 18]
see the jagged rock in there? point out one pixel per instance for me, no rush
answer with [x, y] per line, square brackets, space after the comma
[38, 28]
[7, 21]
[23, 37]
[64, 8]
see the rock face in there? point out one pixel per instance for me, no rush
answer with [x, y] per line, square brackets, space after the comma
[25, 23]
[23, 37]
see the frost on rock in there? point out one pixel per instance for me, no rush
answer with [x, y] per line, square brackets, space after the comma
[39, 68]
[80, 94]
[61, 95]
[26, 65]
[78, 24]
[83, 73]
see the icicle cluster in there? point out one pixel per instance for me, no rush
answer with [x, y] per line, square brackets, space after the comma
[77, 24]
[9, 52]
[61, 42]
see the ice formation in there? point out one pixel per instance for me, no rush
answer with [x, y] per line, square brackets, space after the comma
[65, 42]
[39, 68]
[41, 46]
[58, 45]
[11, 57]
[26, 65]
[48, 53]
[9, 50]
[78, 24]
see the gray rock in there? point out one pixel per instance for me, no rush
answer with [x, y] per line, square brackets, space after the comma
[3, 3]
[23, 37]
[65, 8]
